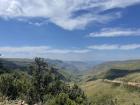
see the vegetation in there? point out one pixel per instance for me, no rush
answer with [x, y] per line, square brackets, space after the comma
[38, 82]
[41, 85]
[133, 77]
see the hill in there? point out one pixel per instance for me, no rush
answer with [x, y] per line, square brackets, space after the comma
[114, 69]
[70, 69]
[109, 83]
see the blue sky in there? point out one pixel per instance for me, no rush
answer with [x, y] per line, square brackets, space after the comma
[70, 29]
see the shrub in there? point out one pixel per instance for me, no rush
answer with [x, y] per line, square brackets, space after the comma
[61, 99]
[14, 85]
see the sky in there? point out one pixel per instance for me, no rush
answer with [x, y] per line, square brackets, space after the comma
[76, 30]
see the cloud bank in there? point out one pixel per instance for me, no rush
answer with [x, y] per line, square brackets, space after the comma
[94, 52]
[43, 51]
[68, 14]
[40, 49]
[116, 32]
[115, 47]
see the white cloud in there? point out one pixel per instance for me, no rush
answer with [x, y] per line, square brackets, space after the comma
[115, 47]
[104, 47]
[120, 3]
[130, 46]
[116, 32]
[40, 50]
[45, 52]
[62, 12]
[96, 52]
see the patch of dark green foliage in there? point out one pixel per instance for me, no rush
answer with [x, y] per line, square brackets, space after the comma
[40, 85]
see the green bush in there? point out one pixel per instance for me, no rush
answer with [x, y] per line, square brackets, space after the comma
[61, 99]
[14, 85]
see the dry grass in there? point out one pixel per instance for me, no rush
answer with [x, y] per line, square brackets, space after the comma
[96, 90]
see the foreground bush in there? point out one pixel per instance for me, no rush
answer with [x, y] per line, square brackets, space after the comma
[14, 85]
[61, 99]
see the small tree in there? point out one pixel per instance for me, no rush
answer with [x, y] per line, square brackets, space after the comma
[38, 76]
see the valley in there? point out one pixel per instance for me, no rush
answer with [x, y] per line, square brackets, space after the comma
[69, 52]
[109, 83]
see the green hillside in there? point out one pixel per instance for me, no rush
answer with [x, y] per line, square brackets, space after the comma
[67, 70]
[110, 69]
[133, 77]
[101, 92]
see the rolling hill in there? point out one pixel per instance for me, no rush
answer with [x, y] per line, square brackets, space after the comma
[101, 92]
[114, 69]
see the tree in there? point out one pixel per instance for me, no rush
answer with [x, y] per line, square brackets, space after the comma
[39, 69]
[78, 95]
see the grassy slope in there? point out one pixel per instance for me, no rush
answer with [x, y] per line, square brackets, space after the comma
[134, 77]
[98, 92]
[101, 70]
